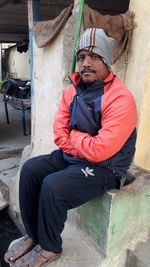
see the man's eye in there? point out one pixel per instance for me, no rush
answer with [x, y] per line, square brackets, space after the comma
[80, 58]
[94, 57]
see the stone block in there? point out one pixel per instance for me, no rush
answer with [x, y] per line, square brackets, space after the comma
[140, 255]
[119, 216]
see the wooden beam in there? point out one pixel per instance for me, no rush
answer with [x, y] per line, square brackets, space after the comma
[11, 38]
[4, 2]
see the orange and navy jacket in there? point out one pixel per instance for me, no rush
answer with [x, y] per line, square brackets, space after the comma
[97, 124]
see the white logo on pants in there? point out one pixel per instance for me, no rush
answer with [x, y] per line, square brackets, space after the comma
[88, 171]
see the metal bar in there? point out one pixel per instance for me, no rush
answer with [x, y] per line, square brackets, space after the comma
[23, 118]
[36, 10]
[77, 34]
[33, 12]
[33, 16]
[6, 111]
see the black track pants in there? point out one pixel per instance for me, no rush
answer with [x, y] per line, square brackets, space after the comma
[49, 186]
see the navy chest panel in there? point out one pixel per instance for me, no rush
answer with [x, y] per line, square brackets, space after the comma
[86, 108]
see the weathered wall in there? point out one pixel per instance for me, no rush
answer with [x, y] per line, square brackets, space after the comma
[140, 70]
[140, 47]
[142, 157]
[51, 66]
[18, 63]
[134, 68]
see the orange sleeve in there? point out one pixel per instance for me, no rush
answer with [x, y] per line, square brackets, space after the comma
[61, 124]
[118, 121]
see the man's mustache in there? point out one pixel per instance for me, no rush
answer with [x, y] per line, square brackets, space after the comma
[90, 70]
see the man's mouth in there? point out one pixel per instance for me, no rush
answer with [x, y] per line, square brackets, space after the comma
[87, 71]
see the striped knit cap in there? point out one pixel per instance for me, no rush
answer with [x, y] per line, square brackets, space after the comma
[95, 40]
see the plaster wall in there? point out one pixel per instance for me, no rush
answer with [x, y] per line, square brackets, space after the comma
[138, 54]
[51, 67]
[138, 72]
[133, 68]
[142, 157]
[18, 64]
[48, 84]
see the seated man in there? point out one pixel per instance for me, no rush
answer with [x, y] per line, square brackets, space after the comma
[94, 129]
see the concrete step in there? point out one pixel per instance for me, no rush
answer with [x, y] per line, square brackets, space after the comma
[140, 257]
[77, 250]
[8, 169]
[3, 202]
[9, 163]
[12, 140]
[6, 153]
[4, 195]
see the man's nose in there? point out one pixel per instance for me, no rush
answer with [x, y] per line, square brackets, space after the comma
[87, 62]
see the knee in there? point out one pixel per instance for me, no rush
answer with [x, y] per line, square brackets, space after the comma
[47, 184]
[53, 183]
[27, 166]
[53, 190]
[28, 169]
[46, 192]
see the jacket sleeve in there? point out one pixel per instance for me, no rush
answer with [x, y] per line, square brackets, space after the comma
[61, 125]
[118, 122]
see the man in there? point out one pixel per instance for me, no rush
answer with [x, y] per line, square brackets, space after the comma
[94, 129]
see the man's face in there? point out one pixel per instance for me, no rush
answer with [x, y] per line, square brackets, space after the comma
[91, 67]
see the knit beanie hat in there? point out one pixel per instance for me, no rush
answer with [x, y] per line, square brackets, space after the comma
[95, 40]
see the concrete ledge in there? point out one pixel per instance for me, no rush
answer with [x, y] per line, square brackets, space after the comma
[9, 153]
[140, 256]
[4, 195]
[118, 217]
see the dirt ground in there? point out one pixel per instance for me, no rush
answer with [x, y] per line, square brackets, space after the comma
[8, 232]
